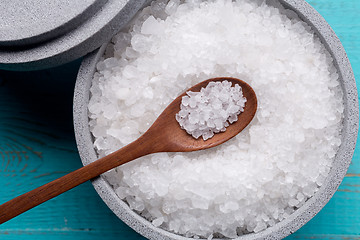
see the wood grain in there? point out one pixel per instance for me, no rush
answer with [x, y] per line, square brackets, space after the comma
[44, 141]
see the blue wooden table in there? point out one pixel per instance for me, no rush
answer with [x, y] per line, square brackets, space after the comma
[37, 145]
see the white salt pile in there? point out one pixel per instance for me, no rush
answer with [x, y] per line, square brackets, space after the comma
[267, 171]
[210, 110]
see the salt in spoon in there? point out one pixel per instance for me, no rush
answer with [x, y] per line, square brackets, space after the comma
[165, 135]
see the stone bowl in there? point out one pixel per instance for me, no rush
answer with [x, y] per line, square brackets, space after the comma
[301, 215]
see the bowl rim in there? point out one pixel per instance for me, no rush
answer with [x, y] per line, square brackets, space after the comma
[297, 219]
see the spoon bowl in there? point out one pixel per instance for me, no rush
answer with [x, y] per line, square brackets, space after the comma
[165, 135]
[169, 137]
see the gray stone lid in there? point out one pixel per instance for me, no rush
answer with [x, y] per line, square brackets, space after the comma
[32, 21]
[41, 34]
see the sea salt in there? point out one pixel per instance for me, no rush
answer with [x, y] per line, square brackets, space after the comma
[266, 172]
[211, 110]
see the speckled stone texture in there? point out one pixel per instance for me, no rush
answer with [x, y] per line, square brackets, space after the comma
[32, 21]
[55, 42]
[298, 218]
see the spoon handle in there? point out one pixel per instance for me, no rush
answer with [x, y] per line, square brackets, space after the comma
[52, 189]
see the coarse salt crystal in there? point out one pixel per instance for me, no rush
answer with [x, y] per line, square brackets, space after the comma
[218, 102]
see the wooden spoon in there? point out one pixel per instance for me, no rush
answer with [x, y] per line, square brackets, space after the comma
[165, 135]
